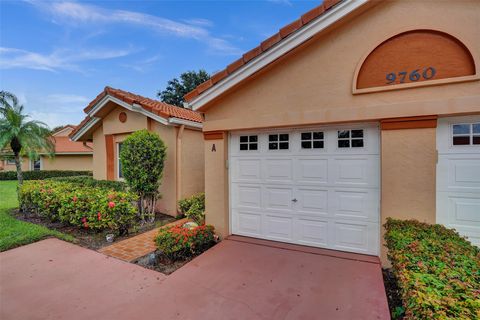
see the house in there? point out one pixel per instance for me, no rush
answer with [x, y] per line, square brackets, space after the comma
[114, 114]
[68, 155]
[356, 112]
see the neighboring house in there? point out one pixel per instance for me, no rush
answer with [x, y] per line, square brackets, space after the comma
[358, 111]
[69, 155]
[115, 114]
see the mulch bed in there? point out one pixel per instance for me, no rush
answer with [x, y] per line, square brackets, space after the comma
[88, 238]
[393, 294]
[158, 262]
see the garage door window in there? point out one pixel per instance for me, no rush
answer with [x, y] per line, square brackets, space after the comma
[312, 140]
[248, 143]
[278, 141]
[350, 138]
[466, 134]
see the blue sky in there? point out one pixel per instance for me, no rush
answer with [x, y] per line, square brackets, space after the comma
[57, 56]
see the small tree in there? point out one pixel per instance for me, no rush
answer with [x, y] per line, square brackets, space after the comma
[142, 157]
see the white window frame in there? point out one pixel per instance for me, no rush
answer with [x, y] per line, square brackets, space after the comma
[470, 135]
[32, 164]
[118, 160]
[278, 141]
[350, 138]
[10, 162]
[312, 140]
[249, 143]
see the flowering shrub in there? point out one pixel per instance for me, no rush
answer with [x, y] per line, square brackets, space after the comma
[177, 242]
[88, 181]
[194, 207]
[438, 271]
[89, 208]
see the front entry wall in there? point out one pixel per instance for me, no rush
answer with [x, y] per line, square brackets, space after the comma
[408, 166]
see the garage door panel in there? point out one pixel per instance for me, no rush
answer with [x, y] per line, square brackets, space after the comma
[464, 173]
[247, 223]
[355, 172]
[312, 201]
[355, 204]
[463, 209]
[354, 236]
[312, 171]
[278, 170]
[247, 196]
[278, 199]
[278, 227]
[472, 233]
[248, 170]
[311, 232]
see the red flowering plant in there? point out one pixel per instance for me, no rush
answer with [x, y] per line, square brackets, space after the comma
[92, 208]
[179, 243]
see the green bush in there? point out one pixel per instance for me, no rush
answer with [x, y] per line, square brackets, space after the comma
[142, 157]
[90, 208]
[42, 174]
[88, 181]
[194, 207]
[438, 271]
[178, 243]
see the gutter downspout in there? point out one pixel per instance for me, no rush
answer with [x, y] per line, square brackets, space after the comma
[178, 164]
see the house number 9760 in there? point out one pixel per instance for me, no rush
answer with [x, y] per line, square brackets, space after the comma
[413, 76]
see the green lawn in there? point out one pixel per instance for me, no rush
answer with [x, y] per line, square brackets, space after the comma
[14, 233]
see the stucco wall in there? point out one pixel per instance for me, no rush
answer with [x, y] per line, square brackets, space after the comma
[313, 84]
[168, 203]
[99, 155]
[408, 166]
[216, 185]
[11, 167]
[68, 162]
[112, 125]
[193, 163]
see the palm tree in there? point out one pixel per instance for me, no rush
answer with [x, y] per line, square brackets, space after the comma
[22, 136]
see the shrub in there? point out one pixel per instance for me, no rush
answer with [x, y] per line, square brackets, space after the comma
[87, 181]
[438, 271]
[91, 208]
[178, 243]
[142, 157]
[42, 174]
[194, 207]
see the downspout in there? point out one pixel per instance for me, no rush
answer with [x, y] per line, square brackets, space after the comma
[178, 164]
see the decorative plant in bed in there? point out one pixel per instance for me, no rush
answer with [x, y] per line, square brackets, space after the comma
[179, 244]
[88, 213]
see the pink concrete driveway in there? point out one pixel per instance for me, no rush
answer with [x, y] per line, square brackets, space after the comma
[240, 278]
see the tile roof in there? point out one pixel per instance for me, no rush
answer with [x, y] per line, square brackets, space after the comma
[264, 46]
[156, 107]
[64, 144]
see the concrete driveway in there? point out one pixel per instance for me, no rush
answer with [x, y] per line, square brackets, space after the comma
[240, 278]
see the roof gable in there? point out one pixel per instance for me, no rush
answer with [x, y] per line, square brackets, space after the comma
[287, 39]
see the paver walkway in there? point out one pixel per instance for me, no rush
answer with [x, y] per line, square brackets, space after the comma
[135, 247]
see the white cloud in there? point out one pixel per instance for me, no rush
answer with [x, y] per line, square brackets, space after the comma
[60, 59]
[283, 2]
[74, 13]
[143, 65]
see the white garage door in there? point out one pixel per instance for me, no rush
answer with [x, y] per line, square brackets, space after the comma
[317, 187]
[458, 175]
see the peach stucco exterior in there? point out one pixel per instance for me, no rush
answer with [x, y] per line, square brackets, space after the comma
[312, 85]
[183, 152]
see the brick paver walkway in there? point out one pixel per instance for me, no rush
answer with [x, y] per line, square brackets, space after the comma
[135, 247]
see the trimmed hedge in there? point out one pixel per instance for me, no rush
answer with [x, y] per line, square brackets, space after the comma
[179, 243]
[42, 174]
[90, 208]
[89, 182]
[194, 207]
[438, 271]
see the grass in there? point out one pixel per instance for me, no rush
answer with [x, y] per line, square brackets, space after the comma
[14, 233]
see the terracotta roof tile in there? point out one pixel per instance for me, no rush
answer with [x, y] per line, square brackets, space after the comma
[264, 46]
[64, 144]
[157, 107]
